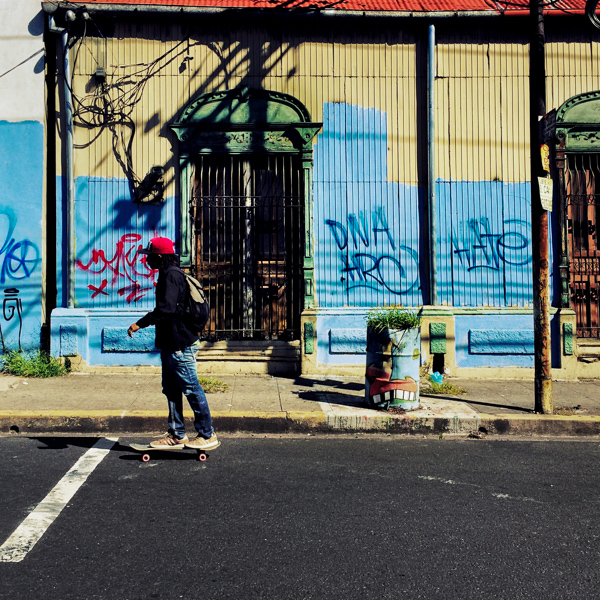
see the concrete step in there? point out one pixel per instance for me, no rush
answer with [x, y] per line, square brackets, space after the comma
[272, 349]
[250, 357]
[588, 349]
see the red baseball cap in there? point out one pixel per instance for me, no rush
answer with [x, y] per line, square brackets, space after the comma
[159, 245]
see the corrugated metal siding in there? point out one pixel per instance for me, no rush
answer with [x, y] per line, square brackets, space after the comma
[363, 85]
[482, 160]
[365, 82]
[110, 229]
[366, 228]
[571, 65]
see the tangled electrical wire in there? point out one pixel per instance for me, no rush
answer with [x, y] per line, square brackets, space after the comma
[111, 105]
[590, 11]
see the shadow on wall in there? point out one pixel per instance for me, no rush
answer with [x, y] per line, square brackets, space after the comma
[110, 273]
[110, 226]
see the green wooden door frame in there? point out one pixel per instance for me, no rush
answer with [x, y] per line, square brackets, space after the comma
[246, 121]
[576, 130]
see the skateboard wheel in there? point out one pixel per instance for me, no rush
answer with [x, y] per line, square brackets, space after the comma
[202, 457]
[145, 457]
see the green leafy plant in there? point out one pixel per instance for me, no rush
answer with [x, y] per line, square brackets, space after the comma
[393, 317]
[33, 364]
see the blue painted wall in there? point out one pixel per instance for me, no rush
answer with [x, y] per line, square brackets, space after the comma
[110, 229]
[484, 244]
[367, 230]
[494, 341]
[369, 249]
[21, 200]
[113, 285]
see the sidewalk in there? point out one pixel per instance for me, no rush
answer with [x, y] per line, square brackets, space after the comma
[133, 403]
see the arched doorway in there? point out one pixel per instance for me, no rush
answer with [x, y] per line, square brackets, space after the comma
[578, 162]
[245, 160]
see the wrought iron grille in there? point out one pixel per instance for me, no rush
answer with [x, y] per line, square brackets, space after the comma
[248, 219]
[582, 178]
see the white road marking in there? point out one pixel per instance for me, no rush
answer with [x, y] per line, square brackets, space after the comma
[29, 532]
[494, 494]
[447, 481]
[518, 498]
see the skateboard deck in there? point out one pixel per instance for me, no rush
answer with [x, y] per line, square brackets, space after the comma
[146, 449]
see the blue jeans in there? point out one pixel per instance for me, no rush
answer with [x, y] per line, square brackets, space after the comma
[179, 375]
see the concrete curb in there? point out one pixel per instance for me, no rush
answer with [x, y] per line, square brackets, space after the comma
[135, 422]
[120, 422]
[540, 425]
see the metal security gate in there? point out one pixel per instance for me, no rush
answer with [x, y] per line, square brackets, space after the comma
[248, 220]
[582, 179]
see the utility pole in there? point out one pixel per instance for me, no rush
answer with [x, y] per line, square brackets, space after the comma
[539, 216]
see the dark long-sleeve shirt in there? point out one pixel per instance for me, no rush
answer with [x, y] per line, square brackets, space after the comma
[171, 331]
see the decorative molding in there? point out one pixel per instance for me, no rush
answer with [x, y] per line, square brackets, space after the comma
[115, 339]
[437, 338]
[348, 341]
[568, 338]
[566, 107]
[245, 121]
[495, 341]
[309, 338]
[68, 340]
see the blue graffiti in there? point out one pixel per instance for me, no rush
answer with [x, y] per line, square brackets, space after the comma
[480, 248]
[18, 259]
[396, 272]
[372, 271]
[357, 226]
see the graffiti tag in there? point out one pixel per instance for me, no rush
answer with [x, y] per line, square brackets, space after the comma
[479, 247]
[397, 272]
[122, 268]
[18, 259]
[11, 307]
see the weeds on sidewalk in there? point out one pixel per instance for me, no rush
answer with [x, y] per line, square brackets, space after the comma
[211, 385]
[569, 411]
[33, 364]
[444, 388]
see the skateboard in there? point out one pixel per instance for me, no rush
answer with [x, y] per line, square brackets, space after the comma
[147, 449]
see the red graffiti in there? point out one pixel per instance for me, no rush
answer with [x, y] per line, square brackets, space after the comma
[98, 290]
[124, 267]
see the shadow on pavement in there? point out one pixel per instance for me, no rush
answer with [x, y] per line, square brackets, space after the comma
[331, 383]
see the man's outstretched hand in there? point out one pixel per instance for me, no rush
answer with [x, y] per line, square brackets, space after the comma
[132, 329]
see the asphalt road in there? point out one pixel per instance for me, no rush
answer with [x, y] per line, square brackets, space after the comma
[299, 518]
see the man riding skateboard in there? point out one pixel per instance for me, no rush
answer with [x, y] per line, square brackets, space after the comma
[178, 346]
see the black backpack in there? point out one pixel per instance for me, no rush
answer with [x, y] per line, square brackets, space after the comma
[196, 309]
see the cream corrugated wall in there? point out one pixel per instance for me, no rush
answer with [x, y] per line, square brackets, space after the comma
[572, 65]
[315, 68]
[482, 98]
[481, 89]
[481, 137]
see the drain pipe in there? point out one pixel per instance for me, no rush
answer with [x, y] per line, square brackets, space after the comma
[69, 170]
[433, 296]
[69, 173]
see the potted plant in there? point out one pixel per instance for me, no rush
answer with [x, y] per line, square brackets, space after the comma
[393, 357]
